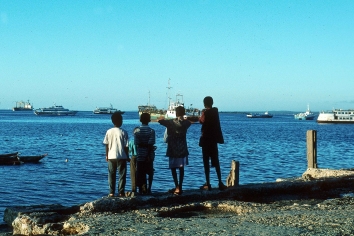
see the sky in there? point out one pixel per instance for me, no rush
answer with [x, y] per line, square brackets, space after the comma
[249, 55]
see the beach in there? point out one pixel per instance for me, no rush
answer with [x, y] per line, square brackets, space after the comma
[298, 217]
[320, 202]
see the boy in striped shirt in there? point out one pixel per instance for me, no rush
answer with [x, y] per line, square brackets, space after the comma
[144, 139]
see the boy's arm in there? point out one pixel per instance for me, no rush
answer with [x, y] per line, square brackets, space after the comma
[126, 149]
[107, 150]
[202, 117]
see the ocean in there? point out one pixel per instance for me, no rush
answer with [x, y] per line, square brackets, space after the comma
[267, 149]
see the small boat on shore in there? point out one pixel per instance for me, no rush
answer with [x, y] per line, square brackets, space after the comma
[32, 159]
[308, 115]
[23, 106]
[258, 115]
[106, 110]
[54, 111]
[9, 159]
[337, 116]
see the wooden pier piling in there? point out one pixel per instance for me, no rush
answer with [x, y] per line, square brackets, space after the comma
[234, 176]
[311, 137]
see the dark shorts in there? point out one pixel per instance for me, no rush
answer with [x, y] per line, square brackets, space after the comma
[211, 152]
[143, 168]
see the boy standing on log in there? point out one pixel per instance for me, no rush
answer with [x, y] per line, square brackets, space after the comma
[116, 142]
[144, 139]
[210, 137]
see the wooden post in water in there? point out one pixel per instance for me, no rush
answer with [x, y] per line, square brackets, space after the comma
[311, 136]
[234, 175]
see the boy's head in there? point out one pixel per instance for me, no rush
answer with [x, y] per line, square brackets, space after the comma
[145, 118]
[117, 119]
[180, 111]
[208, 102]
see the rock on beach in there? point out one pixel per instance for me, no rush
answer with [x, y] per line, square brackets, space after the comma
[320, 202]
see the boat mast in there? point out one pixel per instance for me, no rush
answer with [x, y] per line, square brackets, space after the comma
[149, 99]
[169, 95]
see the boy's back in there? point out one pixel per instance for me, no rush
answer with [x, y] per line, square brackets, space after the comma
[144, 137]
[116, 139]
[116, 143]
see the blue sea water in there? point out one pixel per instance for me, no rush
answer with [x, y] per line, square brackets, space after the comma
[267, 149]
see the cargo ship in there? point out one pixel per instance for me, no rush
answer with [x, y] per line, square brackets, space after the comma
[23, 106]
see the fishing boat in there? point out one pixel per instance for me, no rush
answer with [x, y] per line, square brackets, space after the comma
[171, 110]
[32, 159]
[337, 116]
[308, 115]
[54, 111]
[23, 106]
[192, 114]
[9, 159]
[259, 115]
[106, 110]
[155, 113]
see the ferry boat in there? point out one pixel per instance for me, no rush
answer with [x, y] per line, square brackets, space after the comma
[337, 116]
[54, 111]
[308, 115]
[258, 115]
[23, 106]
[106, 110]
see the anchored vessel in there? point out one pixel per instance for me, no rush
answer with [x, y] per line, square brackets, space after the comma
[106, 110]
[337, 116]
[23, 106]
[171, 110]
[257, 115]
[308, 115]
[154, 112]
[54, 111]
[192, 114]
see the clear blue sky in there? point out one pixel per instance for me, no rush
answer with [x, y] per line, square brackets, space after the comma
[248, 55]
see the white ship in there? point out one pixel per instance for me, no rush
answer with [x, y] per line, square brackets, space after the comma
[171, 110]
[106, 110]
[54, 111]
[192, 114]
[337, 116]
[308, 115]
